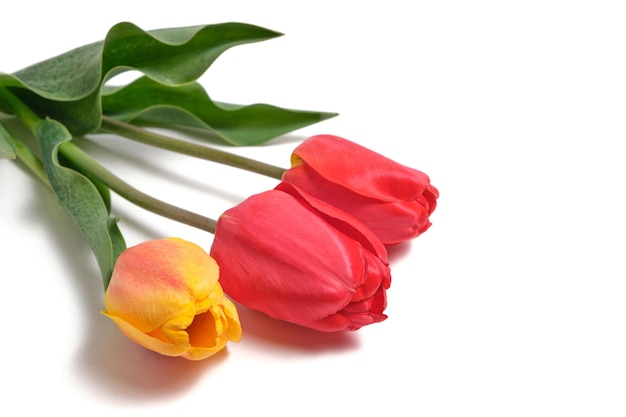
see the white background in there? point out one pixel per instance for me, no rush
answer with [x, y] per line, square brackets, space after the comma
[512, 304]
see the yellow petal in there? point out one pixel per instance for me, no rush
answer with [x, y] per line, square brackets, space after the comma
[157, 280]
[145, 340]
[165, 296]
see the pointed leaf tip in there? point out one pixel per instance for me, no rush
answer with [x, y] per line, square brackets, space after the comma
[67, 87]
[148, 102]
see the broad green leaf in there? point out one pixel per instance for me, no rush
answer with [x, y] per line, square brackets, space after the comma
[67, 87]
[104, 191]
[7, 148]
[148, 102]
[80, 198]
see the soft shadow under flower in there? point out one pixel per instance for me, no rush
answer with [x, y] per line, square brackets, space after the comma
[129, 372]
[276, 334]
[107, 360]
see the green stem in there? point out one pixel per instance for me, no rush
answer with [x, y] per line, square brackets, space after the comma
[26, 115]
[204, 152]
[31, 161]
[30, 119]
[90, 167]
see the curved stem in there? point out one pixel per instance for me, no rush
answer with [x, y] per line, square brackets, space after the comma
[91, 168]
[88, 166]
[204, 152]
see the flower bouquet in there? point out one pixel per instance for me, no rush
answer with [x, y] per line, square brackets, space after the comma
[311, 251]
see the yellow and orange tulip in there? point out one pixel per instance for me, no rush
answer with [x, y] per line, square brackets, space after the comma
[165, 296]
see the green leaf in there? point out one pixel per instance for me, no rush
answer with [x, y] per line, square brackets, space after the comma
[80, 198]
[7, 148]
[148, 102]
[67, 87]
[104, 191]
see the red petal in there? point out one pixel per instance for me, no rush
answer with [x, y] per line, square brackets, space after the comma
[279, 257]
[360, 169]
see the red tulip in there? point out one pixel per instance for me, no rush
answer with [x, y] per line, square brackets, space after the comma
[299, 259]
[393, 200]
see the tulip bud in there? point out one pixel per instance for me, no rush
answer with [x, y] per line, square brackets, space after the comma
[165, 296]
[393, 200]
[301, 260]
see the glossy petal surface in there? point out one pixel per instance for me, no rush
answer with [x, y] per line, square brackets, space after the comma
[165, 295]
[298, 259]
[393, 200]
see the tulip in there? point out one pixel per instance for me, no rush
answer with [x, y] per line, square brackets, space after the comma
[165, 296]
[393, 200]
[301, 260]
